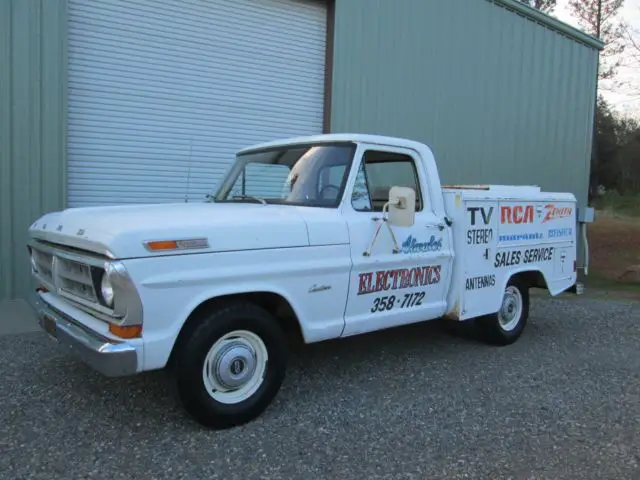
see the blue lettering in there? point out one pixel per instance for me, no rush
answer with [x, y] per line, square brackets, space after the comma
[411, 245]
[520, 236]
[560, 232]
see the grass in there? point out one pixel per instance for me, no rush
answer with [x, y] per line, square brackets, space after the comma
[612, 204]
[614, 245]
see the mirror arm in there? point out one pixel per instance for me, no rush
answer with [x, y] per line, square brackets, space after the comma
[385, 220]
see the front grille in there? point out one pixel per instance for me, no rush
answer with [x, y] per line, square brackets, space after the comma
[75, 278]
[44, 265]
[71, 274]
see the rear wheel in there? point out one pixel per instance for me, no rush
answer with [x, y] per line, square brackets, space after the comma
[506, 325]
[231, 366]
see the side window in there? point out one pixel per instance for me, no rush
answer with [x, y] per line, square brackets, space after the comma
[360, 197]
[379, 171]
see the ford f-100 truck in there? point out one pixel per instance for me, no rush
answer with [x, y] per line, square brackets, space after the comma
[318, 237]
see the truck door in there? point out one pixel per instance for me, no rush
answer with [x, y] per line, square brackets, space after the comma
[390, 288]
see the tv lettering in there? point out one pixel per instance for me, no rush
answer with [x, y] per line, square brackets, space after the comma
[483, 281]
[485, 214]
[398, 279]
[517, 214]
[514, 257]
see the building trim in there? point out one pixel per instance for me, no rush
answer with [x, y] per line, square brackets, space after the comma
[550, 22]
[328, 65]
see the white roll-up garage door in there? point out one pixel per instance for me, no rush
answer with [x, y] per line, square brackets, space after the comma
[163, 92]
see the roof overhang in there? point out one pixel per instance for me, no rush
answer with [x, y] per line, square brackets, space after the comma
[551, 22]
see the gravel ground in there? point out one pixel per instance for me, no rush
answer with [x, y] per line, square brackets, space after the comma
[414, 402]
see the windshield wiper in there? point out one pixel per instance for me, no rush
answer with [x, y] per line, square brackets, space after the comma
[249, 197]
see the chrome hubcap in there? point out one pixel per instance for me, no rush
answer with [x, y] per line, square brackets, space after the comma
[234, 367]
[234, 364]
[511, 309]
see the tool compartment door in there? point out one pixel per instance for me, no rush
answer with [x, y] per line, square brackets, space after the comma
[480, 233]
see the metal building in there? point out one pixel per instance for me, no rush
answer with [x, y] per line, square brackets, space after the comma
[114, 101]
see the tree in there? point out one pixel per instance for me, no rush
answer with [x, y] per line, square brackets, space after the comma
[599, 18]
[618, 150]
[546, 6]
[633, 42]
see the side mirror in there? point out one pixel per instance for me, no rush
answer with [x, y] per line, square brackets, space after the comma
[402, 206]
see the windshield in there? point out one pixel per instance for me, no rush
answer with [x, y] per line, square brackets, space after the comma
[309, 175]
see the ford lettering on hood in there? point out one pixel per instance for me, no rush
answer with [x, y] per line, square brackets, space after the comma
[121, 231]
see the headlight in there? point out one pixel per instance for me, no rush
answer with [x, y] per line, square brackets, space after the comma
[34, 265]
[106, 290]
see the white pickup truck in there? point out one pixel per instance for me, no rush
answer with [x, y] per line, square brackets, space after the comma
[320, 237]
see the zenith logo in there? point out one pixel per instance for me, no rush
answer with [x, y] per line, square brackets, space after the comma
[554, 212]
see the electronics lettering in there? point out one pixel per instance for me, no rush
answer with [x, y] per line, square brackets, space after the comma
[398, 279]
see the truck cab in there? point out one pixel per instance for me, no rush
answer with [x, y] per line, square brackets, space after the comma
[321, 237]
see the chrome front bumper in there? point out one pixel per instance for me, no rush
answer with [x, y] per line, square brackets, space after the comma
[110, 358]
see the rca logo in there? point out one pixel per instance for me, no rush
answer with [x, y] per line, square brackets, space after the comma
[554, 212]
[517, 214]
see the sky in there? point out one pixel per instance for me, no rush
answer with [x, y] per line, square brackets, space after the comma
[625, 99]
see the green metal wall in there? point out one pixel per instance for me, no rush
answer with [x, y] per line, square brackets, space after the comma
[498, 95]
[32, 127]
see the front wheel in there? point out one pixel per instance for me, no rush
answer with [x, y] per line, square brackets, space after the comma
[506, 325]
[231, 366]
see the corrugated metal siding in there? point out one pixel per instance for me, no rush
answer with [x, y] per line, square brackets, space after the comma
[162, 94]
[32, 100]
[498, 97]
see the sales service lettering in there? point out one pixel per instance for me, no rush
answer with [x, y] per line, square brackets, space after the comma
[516, 257]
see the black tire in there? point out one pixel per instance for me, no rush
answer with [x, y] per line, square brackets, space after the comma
[190, 360]
[490, 327]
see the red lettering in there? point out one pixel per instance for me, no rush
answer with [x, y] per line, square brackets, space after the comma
[379, 281]
[517, 214]
[398, 278]
[554, 212]
[362, 287]
[436, 274]
[404, 278]
[416, 275]
[394, 275]
[505, 215]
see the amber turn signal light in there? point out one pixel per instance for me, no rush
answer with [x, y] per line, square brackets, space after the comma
[128, 331]
[163, 245]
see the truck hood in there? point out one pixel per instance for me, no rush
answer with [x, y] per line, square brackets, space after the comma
[120, 231]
